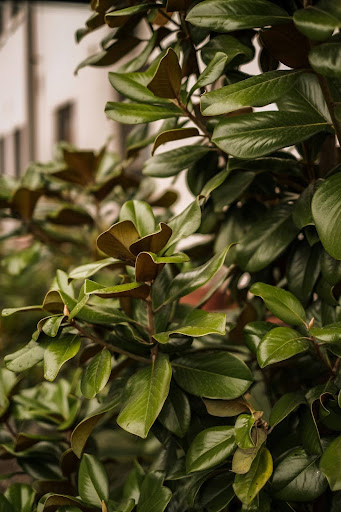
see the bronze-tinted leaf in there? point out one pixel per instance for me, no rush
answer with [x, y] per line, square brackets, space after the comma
[116, 240]
[171, 135]
[24, 201]
[286, 44]
[166, 83]
[70, 216]
[53, 302]
[154, 242]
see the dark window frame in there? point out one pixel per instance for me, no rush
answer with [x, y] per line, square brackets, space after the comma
[64, 127]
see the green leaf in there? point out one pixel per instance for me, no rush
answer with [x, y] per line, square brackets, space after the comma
[222, 16]
[12, 311]
[209, 448]
[326, 59]
[303, 270]
[186, 282]
[212, 375]
[93, 485]
[301, 214]
[51, 325]
[243, 427]
[154, 496]
[248, 485]
[82, 431]
[285, 405]
[96, 315]
[318, 22]
[279, 344]
[244, 457]
[329, 333]
[266, 239]
[172, 135]
[213, 71]
[176, 412]
[129, 86]
[137, 290]
[257, 91]
[197, 323]
[96, 375]
[20, 496]
[137, 113]
[58, 352]
[258, 134]
[140, 214]
[330, 464]
[254, 332]
[166, 83]
[145, 394]
[281, 303]
[216, 493]
[120, 16]
[184, 224]
[5, 505]
[27, 356]
[326, 210]
[215, 182]
[234, 187]
[172, 162]
[228, 45]
[298, 477]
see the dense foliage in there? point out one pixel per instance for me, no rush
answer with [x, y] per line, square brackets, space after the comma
[162, 403]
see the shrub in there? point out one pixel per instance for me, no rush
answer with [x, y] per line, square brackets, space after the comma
[161, 404]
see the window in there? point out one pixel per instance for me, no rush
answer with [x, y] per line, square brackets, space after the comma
[64, 125]
[2, 155]
[17, 152]
[1, 20]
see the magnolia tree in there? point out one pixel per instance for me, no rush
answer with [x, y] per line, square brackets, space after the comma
[152, 400]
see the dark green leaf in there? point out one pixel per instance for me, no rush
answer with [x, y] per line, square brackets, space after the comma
[281, 303]
[21, 497]
[172, 135]
[279, 344]
[184, 224]
[176, 412]
[319, 21]
[330, 464]
[154, 496]
[256, 91]
[140, 214]
[254, 332]
[243, 427]
[172, 162]
[222, 16]
[209, 448]
[137, 113]
[215, 375]
[329, 333]
[326, 210]
[258, 134]
[213, 71]
[285, 405]
[326, 59]
[228, 45]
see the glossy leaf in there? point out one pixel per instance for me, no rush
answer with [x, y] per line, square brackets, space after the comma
[26, 357]
[172, 162]
[244, 457]
[221, 16]
[243, 427]
[281, 303]
[285, 405]
[130, 86]
[227, 44]
[145, 394]
[216, 493]
[118, 17]
[184, 224]
[166, 83]
[172, 135]
[254, 332]
[213, 375]
[326, 59]
[154, 496]
[117, 239]
[258, 134]
[226, 408]
[256, 91]
[96, 375]
[197, 323]
[209, 448]
[330, 464]
[21, 496]
[137, 113]
[326, 210]
[93, 485]
[213, 71]
[279, 344]
[329, 333]
[247, 486]
[298, 477]
[186, 282]
[140, 214]
[267, 239]
[176, 412]
[58, 352]
[319, 21]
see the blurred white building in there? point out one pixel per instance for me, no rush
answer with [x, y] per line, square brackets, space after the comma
[41, 100]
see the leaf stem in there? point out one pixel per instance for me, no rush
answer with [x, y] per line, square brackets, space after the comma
[110, 347]
[321, 356]
[151, 328]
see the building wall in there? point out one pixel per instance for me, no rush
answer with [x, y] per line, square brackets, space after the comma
[56, 55]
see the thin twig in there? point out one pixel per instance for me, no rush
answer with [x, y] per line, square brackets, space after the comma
[110, 347]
